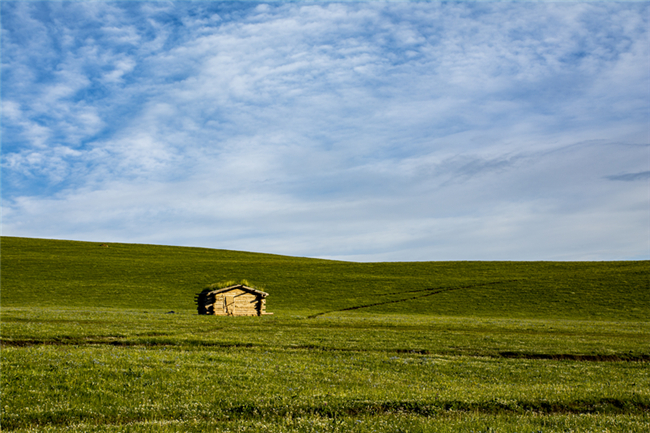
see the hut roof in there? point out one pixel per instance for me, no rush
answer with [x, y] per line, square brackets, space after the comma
[242, 287]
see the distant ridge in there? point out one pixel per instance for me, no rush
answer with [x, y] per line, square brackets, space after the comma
[78, 274]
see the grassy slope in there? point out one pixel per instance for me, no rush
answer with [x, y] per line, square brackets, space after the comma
[86, 348]
[83, 274]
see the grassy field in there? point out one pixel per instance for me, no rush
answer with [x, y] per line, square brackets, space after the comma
[90, 343]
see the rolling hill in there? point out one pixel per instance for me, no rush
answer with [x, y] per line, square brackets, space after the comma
[62, 273]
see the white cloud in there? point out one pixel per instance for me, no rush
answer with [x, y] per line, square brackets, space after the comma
[122, 35]
[362, 130]
[122, 66]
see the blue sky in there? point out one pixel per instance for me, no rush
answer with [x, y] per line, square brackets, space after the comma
[364, 131]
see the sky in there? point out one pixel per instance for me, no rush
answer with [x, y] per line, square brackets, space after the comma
[360, 131]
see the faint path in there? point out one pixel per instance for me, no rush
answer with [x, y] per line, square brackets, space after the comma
[430, 292]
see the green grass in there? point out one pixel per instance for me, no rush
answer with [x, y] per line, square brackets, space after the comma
[88, 344]
[84, 274]
[534, 339]
[109, 385]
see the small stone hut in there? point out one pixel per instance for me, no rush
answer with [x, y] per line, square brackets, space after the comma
[237, 300]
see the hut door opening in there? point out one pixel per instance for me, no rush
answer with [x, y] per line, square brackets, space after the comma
[229, 304]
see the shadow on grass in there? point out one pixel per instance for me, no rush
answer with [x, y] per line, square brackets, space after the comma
[116, 341]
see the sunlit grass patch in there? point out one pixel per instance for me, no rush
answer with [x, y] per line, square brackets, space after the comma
[67, 385]
[516, 338]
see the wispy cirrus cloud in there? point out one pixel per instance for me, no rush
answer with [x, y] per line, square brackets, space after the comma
[630, 177]
[389, 131]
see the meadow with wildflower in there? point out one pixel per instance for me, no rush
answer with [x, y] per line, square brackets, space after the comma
[98, 339]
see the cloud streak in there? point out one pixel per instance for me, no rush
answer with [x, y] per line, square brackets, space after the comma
[631, 177]
[361, 131]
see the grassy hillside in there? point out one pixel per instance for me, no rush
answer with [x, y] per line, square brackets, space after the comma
[376, 347]
[85, 274]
